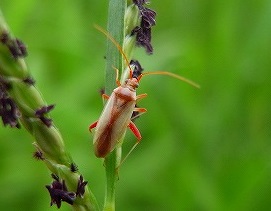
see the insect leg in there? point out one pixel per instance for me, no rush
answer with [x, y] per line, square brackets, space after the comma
[105, 96]
[141, 96]
[127, 155]
[93, 125]
[138, 112]
[117, 76]
[135, 131]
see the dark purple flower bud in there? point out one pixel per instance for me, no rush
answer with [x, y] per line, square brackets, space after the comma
[17, 48]
[29, 81]
[38, 155]
[43, 111]
[4, 37]
[74, 167]
[46, 121]
[148, 17]
[55, 177]
[137, 68]
[58, 192]
[143, 32]
[8, 110]
[22, 48]
[81, 186]
[143, 38]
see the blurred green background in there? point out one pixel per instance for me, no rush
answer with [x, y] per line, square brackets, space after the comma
[206, 149]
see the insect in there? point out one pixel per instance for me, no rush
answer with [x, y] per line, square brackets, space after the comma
[116, 115]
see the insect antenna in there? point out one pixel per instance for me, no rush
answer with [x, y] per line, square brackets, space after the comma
[117, 45]
[186, 80]
[181, 78]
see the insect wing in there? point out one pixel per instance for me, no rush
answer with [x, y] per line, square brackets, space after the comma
[124, 110]
[103, 130]
[112, 124]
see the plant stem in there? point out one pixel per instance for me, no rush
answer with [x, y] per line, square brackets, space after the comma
[115, 27]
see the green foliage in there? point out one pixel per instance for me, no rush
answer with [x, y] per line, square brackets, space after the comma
[206, 149]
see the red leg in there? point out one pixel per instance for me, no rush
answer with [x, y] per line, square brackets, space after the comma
[93, 125]
[135, 131]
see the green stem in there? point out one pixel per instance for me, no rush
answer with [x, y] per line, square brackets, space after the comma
[115, 28]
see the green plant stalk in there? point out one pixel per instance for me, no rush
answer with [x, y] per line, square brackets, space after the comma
[48, 139]
[115, 27]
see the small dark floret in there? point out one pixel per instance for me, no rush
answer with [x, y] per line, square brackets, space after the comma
[17, 48]
[4, 37]
[143, 38]
[44, 110]
[137, 68]
[55, 177]
[74, 167]
[40, 113]
[38, 155]
[8, 109]
[148, 17]
[143, 32]
[29, 81]
[81, 186]
[21, 47]
[58, 192]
